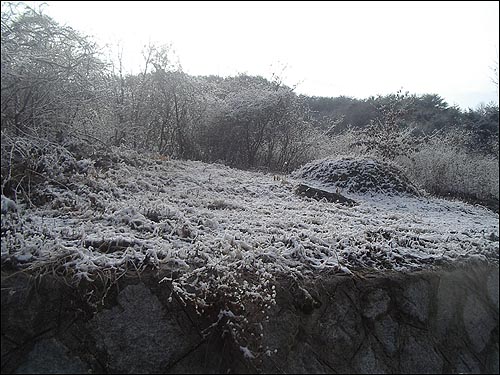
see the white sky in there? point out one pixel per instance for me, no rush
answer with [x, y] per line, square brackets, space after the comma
[354, 49]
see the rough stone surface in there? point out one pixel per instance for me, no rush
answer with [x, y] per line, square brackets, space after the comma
[449, 294]
[367, 361]
[377, 304]
[318, 194]
[386, 330]
[468, 365]
[492, 286]
[441, 321]
[136, 334]
[49, 356]
[419, 356]
[415, 300]
[478, 323]
[492, 366]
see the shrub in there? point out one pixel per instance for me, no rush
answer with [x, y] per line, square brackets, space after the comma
[447, 170]
[27, 163]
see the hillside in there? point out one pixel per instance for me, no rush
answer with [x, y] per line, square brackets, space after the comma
[190, 215]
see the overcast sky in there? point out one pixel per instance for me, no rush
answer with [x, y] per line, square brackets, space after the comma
[354, 49]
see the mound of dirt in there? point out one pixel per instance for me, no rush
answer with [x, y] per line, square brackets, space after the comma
[357, 175]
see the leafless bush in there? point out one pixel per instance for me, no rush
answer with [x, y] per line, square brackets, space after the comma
[447, 170]
[27, 163]
[442, 164]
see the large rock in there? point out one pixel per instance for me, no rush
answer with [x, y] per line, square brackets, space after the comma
[137, 334]
[440, 321]
[49, 356]
[318, 194]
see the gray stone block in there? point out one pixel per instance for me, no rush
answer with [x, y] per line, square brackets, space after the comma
[387, 332]
[416, 299]
[492, 287]
[478, 323]
[137, 335]
[377, 303]
[418, 356]
[49, 356]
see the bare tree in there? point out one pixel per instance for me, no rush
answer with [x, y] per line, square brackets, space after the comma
[494, 70]
[259, 123]
[52, 76]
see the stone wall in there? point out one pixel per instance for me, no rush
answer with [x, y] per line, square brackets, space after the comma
[423, 322]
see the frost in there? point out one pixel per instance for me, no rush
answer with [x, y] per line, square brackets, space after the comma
[8, 205]
[84, 165]
[246, 352]
[226, 313]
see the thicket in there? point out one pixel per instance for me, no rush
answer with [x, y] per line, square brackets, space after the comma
[60, 89]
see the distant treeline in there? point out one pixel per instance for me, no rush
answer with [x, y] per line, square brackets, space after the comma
[427, 113]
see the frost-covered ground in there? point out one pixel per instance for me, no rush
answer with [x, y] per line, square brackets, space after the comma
[220, 237]
[187, 215]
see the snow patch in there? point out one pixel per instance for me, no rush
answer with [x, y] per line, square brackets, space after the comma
[246, 352]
